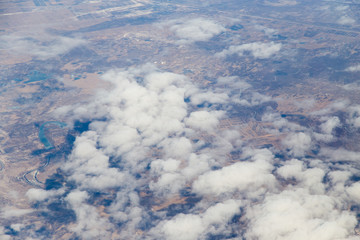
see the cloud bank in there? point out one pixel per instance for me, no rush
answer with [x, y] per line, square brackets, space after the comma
[156, 152]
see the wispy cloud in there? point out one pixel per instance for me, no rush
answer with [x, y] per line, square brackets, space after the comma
[42, 47]
[255, 49]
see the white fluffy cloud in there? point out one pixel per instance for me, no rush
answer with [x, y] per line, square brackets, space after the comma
[90, 225]
[35, 194]
[146, 111]
[340, 154]
[10, 212]
[252, 176]
[89, 167]
[298, 143]
[346, 20]
[299, 215]
[354, 192]
[255, 49]
[155, 135]
[309, 178]
[355, 68]
[327, 128]
[198, 29]
[204, 120]
[196, 226]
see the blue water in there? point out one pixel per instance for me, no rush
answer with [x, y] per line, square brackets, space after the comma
[43, 138]
[35, 76]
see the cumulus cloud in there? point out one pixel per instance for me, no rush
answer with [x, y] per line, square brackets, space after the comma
[41, 47]
[354, 192]
[298, 143]
[308, 178]
[340, 154]
[38, 195]
[204, 120]
[299, 215]
[194, 30]
[147, 111]
[255, 49]
[156, 137]
[253, 176]
[355, 68]
[89, 167]
[346, 20]
[89, 223]
[197, 226]
[326, 128]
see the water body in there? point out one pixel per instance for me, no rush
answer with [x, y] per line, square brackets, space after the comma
[43, 138]
[36, 76]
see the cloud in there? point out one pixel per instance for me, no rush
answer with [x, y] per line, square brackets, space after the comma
[252, 176]
[341, 8]
[204, 120]
[42, 47]
[308, 178]
[346, 20]
[268, 31]
[194, 30]
[327, 127]
[354, 116]
[3, 235]
[298, 143]
[281, 3]
[299, 215]
[355, 68]
[157, 153]
[351, 86]
[89, 167]
[147, 111]
[354, 192]
[10, 212]
[339, 154]
[197, 226]
[341, 13]
[90, 224]
[338, 105]
[35, 194]
[255, 49]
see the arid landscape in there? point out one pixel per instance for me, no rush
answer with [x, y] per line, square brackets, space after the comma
[179, 119]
